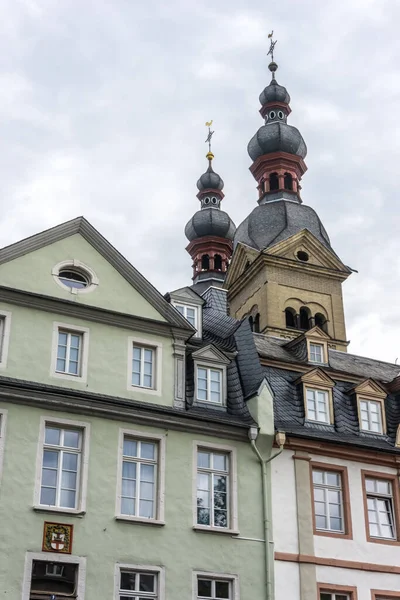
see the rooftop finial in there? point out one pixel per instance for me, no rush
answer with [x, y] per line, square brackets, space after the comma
[209, 154]
[272, 65]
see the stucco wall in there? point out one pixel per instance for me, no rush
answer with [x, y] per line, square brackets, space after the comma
[104, 541]
[30, 350]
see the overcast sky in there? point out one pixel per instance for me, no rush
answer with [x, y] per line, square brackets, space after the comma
[102, 112]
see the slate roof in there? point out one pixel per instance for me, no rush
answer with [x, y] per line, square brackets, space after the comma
[289, 406]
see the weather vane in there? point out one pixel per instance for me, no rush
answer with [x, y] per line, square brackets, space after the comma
[272, 45]
[210, 134]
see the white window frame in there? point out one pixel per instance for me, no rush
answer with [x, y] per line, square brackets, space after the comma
[232, 528]
[210, 367]
[84, 352]
[312, 346]
[368, 402]
[65, 264]
[3, 425]
[315, 392]
[84, 464]
[53, 557]
[378, 496]
[5, 329]
[196, 308]
[334, 595]
[152, 569]
[160, 440]
[326, 487]
[233, 580]
[156, 346]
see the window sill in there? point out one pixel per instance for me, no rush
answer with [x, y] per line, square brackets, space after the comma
[333, 534]
[222, 530]
[140, 520]
[68, 377]
[64, 511]
[389, 542]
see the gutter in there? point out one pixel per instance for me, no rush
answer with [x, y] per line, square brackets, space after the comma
[268, 537]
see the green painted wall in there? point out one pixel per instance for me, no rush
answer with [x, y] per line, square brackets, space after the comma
[103, 540]
[29, 355]
[32, 272]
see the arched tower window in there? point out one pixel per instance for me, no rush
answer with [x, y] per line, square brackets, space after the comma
[205, 262]
[304, 318]
[251, 323]
[256, 327]
[288, 181]
[321, 322]
[273, 182]
[290, 316]
[218, 262]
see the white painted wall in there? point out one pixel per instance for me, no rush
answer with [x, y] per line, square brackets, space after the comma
[284, 511]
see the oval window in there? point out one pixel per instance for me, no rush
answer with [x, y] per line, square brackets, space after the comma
[301, 255]
[74, 278]
[207, 200]
[272, 114]
[214, 200]
[280, 114]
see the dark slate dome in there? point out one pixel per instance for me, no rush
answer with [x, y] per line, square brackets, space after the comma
[210, 221]
[277, 137]
[273, 222]
[210, 180]
[274, 93]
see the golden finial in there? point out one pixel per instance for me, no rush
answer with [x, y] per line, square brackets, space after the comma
[208, 140]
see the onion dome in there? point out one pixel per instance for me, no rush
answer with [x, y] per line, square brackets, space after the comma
[274, 93]
[273, 222]
[210, 222]
[276, 136]
[210, 180]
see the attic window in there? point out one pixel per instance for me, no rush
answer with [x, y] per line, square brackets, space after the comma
[303, 256]
[75, 277]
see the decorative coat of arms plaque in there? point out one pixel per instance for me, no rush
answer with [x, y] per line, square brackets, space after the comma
[57, 537]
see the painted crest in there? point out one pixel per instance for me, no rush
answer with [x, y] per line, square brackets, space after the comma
[57, 537]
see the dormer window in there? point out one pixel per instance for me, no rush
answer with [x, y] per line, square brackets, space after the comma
[318, 397]
[210, 365]
[371, 416]
[318, 408]
[316, 353]
[189, 312]
[209, 385]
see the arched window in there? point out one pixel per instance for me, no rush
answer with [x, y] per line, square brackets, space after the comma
[288, 181]
[273, 182]
[290, 316]
[304, 318]
[321, 322]
[218, 262]
[205, 262]
[251, 323]
[256, 327]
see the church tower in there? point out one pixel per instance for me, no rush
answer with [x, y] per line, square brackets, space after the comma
[210, 232]
[284, 273]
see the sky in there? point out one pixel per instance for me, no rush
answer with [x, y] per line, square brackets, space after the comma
[103, 107]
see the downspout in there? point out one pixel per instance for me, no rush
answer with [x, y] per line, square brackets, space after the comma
[268, 538]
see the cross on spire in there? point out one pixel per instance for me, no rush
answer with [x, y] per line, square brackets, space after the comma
[272, 45]
[209, 136]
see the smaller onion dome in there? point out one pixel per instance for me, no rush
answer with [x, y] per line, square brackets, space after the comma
[274, 93]
[277, 137]
[210, 179]
[210, 221]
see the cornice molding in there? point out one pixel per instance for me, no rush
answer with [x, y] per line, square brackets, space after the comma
[65, 400]
[90, 313]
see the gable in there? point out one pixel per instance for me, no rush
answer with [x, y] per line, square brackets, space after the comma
[242, 256]
[370, 388]
[316, 333]
[317, 377]
[306, 243]
[211, 354]
[186, 295]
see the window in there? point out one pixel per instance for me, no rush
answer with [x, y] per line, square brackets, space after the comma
[75, 277]
[316, 353]
[380, 508]
[61, 577]
[273, 182]
[318, 408]
[371, 416]
[189, 312]
[290, 317]
[69, 350]
[61, 467]
[139, 478]
[305, 317]
[334, 596]
[209, 385]
[140, 493]
[321, 322]
[62, 463]
[5, 323]
[288, 179]
[330, 591]
[214, 586]
[212, 488]
[143, 367]
[328, 500]
[218, 262]
[139, 582]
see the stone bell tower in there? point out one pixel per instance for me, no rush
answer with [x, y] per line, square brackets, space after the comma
[284, 273]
